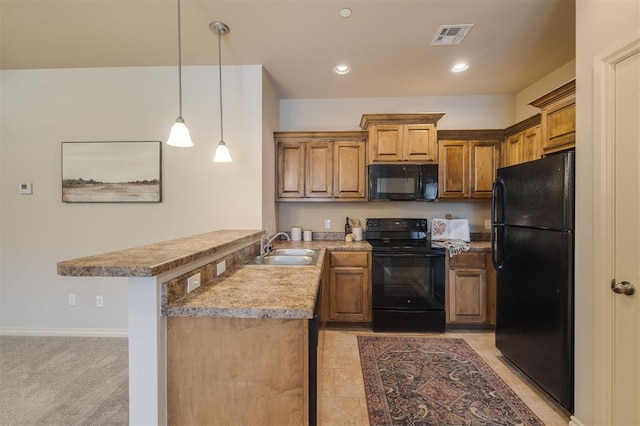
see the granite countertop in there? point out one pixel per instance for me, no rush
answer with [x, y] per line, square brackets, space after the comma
[476, 246]
[153, 259]
[263, 291]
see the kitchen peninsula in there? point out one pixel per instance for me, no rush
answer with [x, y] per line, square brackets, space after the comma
[249, 324]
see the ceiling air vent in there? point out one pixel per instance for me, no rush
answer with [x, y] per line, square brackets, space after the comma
[448, 35]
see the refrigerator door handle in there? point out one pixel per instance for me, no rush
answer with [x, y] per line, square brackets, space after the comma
[496, 191]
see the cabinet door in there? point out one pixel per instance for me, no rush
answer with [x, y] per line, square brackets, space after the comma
[467, 295]
[290, 169]
[350, 287]
[484, 157]
[559, 125]
[531, 144]
[419, 143]
[453, 169]
[319, 170]
[513, 148]
[349, 169]
[385, 143]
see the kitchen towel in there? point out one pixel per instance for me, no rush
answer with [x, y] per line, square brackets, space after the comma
[450, 229]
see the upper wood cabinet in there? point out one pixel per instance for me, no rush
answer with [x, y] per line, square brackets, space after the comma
[558, 121]
[402, 137]
[522, 142]
[321, 166]
[467, 167]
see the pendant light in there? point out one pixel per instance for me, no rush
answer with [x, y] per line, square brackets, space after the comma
[179, 135]
[222, 152]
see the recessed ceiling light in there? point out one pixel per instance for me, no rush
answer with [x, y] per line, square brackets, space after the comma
[460, 67]
[345, 12]
[342, 69]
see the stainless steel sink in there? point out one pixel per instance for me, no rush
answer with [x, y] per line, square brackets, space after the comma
[293, 252]
[288, 257]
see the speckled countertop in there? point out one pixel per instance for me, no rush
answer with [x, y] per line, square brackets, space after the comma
[263, 291]
[480, 246]
[153, 259]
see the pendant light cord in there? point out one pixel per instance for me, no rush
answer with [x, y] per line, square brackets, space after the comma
[220, 81]
[179, 62]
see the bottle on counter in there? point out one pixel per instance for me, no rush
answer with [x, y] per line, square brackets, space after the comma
[347, 227]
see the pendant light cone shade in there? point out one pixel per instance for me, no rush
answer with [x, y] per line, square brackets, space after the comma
[179, 135]
[222, 152]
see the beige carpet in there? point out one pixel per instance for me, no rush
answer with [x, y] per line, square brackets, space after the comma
[435, 381]
[63, 381]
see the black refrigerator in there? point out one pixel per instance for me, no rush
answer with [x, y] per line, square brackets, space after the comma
[532, 244]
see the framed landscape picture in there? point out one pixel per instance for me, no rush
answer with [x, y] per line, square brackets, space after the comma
[112, 172]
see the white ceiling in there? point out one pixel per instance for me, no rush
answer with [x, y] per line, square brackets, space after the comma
[512, 44]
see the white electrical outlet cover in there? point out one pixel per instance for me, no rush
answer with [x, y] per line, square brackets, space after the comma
[221, 267]
[193, 282]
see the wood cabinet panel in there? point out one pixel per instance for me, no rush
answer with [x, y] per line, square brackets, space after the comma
[350, 287]
[290, 158]
[349, 169]
[531, 144]
[467, 295]
[559, 126]
[484, 158]
[419, 143]
[385, 143]
[236, 370]
[319, 170]
[453, 169]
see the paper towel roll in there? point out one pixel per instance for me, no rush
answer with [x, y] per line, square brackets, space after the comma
[296, 233]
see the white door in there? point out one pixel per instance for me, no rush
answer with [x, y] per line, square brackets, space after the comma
[626, 309]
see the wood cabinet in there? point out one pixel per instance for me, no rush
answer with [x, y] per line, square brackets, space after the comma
[467, 288]
[558, 121]
[467, 168]
[350, 286]
[471, 289]
[402, 137]
[321, 166]
[523, 142]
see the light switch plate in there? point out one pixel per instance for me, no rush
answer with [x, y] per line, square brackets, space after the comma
[487, 224]
[25, 188]
[193, 282]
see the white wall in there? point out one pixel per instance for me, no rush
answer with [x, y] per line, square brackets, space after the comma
[42, 108]
[541, 87]
[270, 123]
[602, 25]
[462, 112]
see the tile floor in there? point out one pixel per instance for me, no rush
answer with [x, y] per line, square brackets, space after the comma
[341, 399]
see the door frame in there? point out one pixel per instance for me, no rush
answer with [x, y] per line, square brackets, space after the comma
[602, 227]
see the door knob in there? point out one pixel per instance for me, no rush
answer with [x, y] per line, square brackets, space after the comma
[625, 287]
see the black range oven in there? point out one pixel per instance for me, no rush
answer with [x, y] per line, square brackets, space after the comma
[408, 276]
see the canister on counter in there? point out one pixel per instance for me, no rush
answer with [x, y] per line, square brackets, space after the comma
[296, 233]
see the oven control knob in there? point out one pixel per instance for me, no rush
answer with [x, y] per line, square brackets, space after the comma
[408, 300]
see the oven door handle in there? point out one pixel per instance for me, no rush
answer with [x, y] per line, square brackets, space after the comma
[408, 254]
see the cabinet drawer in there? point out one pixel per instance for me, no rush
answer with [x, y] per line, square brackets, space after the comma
[468, 260]
[349, 258]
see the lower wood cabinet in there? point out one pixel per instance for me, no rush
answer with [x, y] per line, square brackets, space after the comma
[350, 286]
[470, 289]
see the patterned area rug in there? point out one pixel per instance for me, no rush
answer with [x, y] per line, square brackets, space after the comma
[435, 381]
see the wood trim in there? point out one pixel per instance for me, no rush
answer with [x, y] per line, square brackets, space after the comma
[415, 118]
[523, 125]
[565, 90]
[470, 134]
[359, 135]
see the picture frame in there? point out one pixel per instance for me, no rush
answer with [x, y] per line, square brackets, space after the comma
[112, 172]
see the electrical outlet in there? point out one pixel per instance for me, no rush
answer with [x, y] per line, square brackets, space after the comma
[193, 282]
[487, 224]
[327, 224]
[72, 299]
[221, 267]
[99, 301]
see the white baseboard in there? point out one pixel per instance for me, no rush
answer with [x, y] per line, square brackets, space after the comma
[575, 422]
[67, 332]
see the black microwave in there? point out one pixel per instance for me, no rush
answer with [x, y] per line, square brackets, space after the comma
[403, 182]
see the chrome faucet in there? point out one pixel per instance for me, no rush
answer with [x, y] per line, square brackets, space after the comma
[265, 242]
